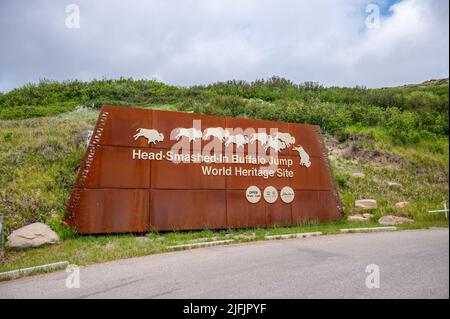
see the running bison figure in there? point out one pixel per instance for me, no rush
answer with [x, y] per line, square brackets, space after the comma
[217, 132]
[274, 144]
[191, 133]
[278, 142]
[151, 135]
[286, 138]
[238, 139]
[263, 138]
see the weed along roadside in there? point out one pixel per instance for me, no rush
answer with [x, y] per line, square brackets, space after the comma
[349, 175]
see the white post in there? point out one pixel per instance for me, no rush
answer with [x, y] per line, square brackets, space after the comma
[445, 210]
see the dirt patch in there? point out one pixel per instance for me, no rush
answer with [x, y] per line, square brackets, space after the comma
[352, 149]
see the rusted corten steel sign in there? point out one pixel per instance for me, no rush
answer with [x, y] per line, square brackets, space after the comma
[159, 170]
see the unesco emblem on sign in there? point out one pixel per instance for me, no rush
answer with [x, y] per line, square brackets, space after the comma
[270, 194]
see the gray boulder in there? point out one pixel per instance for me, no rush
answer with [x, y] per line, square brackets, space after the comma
[357, 218]
[394, 220]
[367, 215]
[394, 184]
[363, 204]
[33, 235]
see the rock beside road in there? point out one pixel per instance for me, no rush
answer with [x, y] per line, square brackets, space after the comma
[363, 204]
[394, 184]
[359, 175]
[33, 235]
[359, 218]
[394, 220]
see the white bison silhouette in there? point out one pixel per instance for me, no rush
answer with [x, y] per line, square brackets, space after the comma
[262, 137]
[151, 135]
[238, 139]
[287, 138]
[304, 157]
[216, 132]
[191, 133]
[275, 144]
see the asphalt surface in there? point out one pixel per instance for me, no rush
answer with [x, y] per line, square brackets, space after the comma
[412, 264]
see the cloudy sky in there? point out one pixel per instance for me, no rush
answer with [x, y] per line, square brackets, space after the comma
[186, 42]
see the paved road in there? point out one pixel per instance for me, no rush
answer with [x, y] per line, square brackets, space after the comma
[413, 264]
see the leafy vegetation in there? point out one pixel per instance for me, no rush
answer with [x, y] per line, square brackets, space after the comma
[409, 113]
[39, 158]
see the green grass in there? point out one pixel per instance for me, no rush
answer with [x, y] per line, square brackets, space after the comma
[31, 111]
[422, 170]
[39, 158]
[87, 250]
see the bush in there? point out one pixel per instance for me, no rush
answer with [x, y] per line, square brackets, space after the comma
[408, 113]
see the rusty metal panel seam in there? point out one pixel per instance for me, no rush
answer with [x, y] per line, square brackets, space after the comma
[86, 163]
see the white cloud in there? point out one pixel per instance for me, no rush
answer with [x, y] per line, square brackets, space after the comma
[410, 46]
[193, 42]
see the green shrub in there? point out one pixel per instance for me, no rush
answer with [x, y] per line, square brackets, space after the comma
[407, 113]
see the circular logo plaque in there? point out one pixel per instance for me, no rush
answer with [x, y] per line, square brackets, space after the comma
[253, 194]
[270, 194]
[287, 194]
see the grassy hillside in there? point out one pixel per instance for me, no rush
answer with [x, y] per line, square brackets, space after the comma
[392, 135]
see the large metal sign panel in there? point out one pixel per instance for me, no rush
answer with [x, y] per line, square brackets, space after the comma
[159, 170]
